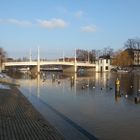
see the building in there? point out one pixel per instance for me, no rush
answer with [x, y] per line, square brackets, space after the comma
[103, 64]
[135, 55]
[136, 59]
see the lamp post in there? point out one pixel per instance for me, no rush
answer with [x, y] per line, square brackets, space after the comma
[38, 61]
[75, 56]
[88, 56]
[0, 63]
[63, 57]
[75, 63]
[30, 55]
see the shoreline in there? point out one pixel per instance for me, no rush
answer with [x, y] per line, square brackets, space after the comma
[6, 80]
[19, 119]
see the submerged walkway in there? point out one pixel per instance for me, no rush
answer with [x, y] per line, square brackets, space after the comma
[19, 120]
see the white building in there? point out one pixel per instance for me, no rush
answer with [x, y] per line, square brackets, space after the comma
[103, 64]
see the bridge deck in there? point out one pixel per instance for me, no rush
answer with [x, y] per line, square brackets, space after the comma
[34, 63]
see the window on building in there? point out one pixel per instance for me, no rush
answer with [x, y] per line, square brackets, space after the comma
[106, 60]
[101, 61]
[106, 68]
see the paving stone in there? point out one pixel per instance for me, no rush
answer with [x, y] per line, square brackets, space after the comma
[19, 120]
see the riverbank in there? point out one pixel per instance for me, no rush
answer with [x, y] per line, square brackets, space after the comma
[19, 120]
[6, 80]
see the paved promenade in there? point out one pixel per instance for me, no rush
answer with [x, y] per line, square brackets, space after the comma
[19, 120]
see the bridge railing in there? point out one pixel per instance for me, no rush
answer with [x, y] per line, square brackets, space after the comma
[50, 60]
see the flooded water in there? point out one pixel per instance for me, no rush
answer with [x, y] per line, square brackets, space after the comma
[88, 103]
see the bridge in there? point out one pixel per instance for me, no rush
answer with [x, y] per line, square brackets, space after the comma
[66, 66]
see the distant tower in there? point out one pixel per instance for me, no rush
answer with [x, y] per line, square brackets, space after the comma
[75, 62]
[75, 56]
[88, 56]
[63, 57]
[38, 60]
[30, 57]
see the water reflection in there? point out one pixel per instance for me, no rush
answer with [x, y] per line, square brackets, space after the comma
[92, 102]
[38, 85]
[80, 85]
[130, 86]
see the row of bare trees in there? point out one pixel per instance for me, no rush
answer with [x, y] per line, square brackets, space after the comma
[92, 55]
[123, 57]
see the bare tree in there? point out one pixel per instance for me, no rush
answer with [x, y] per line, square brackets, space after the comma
[98, 53]
[84, 55]
[2, 56]
[92, 56]
[107, 51]
[122, 59]
[132, 44]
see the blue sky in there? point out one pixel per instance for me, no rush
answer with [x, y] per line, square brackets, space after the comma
[58, 26]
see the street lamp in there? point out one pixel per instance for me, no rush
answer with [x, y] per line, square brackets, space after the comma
[75, 55]
[0, 63]
[63, 56]
[88, 56]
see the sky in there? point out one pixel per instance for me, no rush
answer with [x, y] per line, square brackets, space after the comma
[58, 27]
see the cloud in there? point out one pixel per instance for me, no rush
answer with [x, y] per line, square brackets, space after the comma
[50, 24]
[89, 29]
[53, 23]
[15, 22]
[79, 14]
